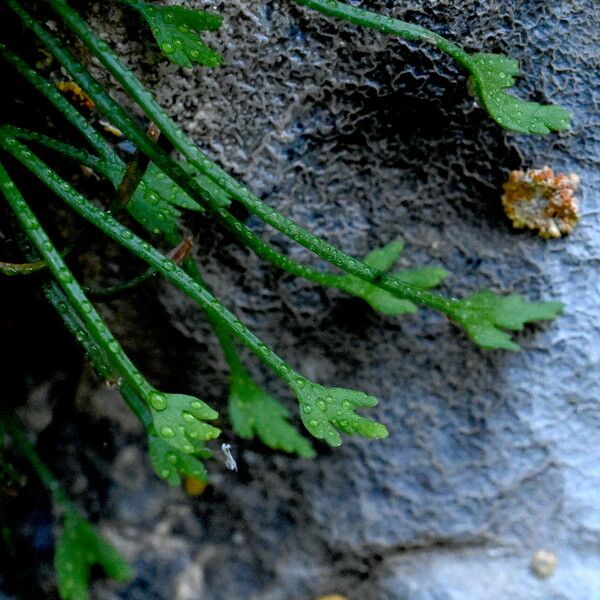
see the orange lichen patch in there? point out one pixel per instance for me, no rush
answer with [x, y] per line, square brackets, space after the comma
[332, 597]
[75, 94]
[540, 200]
[194, 486]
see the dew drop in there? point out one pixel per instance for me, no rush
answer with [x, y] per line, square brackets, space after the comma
[64, 275]
[332, 438]
[157, 400]
[167, 432]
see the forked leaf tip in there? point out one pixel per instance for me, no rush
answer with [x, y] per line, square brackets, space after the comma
[327, 411]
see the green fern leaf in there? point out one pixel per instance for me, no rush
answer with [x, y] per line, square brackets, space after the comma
[78, 549]
[253, 412]
[180, 421]
[485, 316]
[325, 411]
[491, 74]
[177, 32]
[172, 464]
[383, 259]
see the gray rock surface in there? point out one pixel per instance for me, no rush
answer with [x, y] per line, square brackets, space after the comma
[492, 456]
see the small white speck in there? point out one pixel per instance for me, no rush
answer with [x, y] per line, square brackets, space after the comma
[229, 460]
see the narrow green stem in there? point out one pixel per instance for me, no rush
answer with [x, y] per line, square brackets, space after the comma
[177, 254]
[98, 358]
[267, 253]
[77, 298]
[131, 3]
[116, 113]
[28, 268]
[43, 472]
[120, 288]
[388, 25]
[8, 268]
[222, 333]
[213, 173]
[78, 329]
[143, 250]
[98, 143]
[242, 233]
[73, 153]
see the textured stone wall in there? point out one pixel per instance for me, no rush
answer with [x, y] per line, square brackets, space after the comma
[492, 456]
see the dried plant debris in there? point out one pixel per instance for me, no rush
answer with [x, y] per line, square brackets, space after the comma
[539, 199]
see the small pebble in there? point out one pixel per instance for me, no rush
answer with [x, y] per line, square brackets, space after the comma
[543, 563]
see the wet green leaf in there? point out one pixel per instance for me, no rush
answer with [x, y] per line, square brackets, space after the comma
[383, 259]
[172, 464]
[326, 411]
[253, 412]
[156, 202]
[485, 316]
[78, 549]
[177, 31]
[180, 421]
[491, 75]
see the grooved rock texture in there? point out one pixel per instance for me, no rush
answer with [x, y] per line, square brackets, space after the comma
[492, 456]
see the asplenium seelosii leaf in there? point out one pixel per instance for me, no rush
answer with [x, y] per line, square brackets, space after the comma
[79, 548]
[491, 75]
[177, 31]
[326, 411]
[253, 412]
[485, 316]
[172, 464]
[155, 202]
[157, 183]
[383, 259]
[180, 421]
